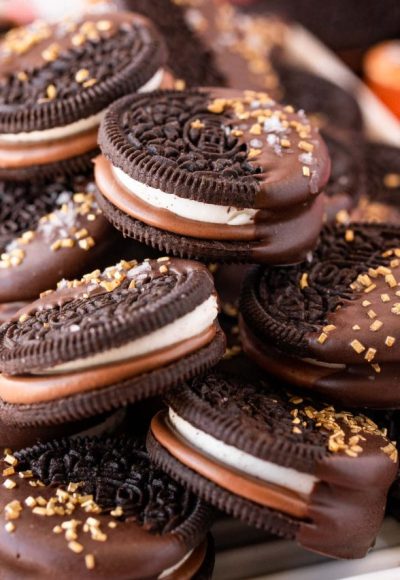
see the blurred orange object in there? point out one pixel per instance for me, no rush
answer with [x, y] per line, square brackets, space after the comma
[382, 72]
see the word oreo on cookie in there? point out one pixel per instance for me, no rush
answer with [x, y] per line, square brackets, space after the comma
[213, 174]
[56, 80]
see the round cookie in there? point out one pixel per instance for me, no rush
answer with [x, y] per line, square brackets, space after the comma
[294, 467]
[49, 231]
[110, 339]
[97, 507]
[56, 80]
[214, 174]
[381, 202]
[330, 324]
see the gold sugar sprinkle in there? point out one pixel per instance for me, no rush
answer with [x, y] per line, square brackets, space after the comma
[370, 354]
[306, 171]
[385, 297]
[371, 314]
[90, 562]
[349, 236]
[304, 280]
[390, 340]
[376, 325]
[322, 338]
[357, 346]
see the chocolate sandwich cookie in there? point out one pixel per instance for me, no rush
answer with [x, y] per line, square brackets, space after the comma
[56, 80]
[297, 468]
[189, 58]
[214, 174]
[107, 340]
[330, 324]
[48, 231]
[98, 508]
[380, 203]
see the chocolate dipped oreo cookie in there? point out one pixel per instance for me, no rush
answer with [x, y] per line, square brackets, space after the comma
[107, 340]
[97, 507]
[214, 174]
[56, 80]
[48, 231]
[297, 468]
[380, 203]
[330, 324]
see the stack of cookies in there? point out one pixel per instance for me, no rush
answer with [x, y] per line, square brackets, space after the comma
[188, 326]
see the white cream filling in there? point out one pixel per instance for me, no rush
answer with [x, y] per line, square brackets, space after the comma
[172, 569]
[77, 127]
[231, 456]
[184, 328]
[186, 208]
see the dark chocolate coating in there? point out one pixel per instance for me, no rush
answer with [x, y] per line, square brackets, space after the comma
[161, 521]
[345, 508]
[286, 311]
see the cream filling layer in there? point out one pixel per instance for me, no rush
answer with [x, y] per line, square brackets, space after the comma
[231, 456]
[186, 208]
[176, 567]
[81, 126]
[184, 328]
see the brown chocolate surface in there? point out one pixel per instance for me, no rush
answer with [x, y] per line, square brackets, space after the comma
[41, 249]
[159, 524]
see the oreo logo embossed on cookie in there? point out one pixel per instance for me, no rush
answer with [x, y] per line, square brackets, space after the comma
[215, 174]
[331, 323]
[107, 340]
[98, 508]
[297, 468]
[56, 80]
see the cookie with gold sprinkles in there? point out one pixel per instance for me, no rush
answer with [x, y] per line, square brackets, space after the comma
[98, 508]
[56, 80]
[107, 340]
[213, 174]
[300, 469]
[48, 231]
[331, 323]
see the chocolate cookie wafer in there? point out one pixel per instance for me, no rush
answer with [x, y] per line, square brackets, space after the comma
[56, 80]
[215, 174]
[107, 340]
[330, 324]
[97, 507]
[297, 468]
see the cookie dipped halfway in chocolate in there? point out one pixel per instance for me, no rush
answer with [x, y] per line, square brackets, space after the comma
[56, 80]
[48, 231]
[97, 507]
[107, 340]
[381, 201]
[330, 324]
[216, 174]
[297, 468]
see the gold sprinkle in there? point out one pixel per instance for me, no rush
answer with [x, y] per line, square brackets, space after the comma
[197, 124]
[329, 328]
[75, 547]
[370, 288]
[112, 525]
[370, 354]
[376, 325]
[356, 327]
[163, 269]
[296, 430]
[8, 471]
[217, 106]
[30, 501]
[349, 236]
[9, 527]
[392, 180]
[364, 279]
[390, 340]
[376, 367]
[82, 75]
[372, 314]
[78, 39]
[87, 243]
[366, 303]
[305, 146]
[180, 85]
[255, 129]
[10, 459]
[304, 280]
[306, 171]
[395, 308]
[90, 561]
[117, 512]
[295, 400]
[253, 153]
[51, 92]
[57, 530]
[385, 297]
[9, 484]
[322, 338]
[390, 280]
[357, 346]
[22, 76]
[103, 25]
[285, 143]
